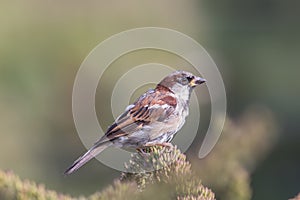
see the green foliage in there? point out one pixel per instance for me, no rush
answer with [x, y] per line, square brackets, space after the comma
[163, 171]
[11, 187]
[242, 144]
[119, 190]
[167, 168]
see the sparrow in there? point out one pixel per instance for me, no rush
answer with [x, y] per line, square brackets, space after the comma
[153, 119]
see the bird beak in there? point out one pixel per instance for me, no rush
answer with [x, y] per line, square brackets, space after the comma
[197, 81]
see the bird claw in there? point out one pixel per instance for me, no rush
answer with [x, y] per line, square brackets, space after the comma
[164, 144]
[143, 150]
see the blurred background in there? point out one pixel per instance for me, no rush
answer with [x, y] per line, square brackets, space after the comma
[254, 43]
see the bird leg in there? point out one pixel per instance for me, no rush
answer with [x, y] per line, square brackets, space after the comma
[143, 150]
[164, 144]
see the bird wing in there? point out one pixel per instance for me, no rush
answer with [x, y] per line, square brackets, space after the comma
[151, 107]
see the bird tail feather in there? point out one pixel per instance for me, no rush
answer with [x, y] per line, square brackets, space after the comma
[94, 151]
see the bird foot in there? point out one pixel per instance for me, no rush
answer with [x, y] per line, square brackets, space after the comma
[142, 151]
[164, 144]
[145, 149]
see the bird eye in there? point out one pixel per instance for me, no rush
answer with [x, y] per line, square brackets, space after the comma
[189, 78]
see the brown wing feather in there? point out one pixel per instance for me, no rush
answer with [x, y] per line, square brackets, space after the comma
[142, 113]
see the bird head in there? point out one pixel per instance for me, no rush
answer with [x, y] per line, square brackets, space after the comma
[181, 83]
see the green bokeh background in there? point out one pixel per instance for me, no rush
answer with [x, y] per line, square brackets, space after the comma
[255, 44]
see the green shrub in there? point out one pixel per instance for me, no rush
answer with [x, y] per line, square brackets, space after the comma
[171, 179]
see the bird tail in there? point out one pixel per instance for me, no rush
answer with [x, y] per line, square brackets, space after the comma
[94, 151]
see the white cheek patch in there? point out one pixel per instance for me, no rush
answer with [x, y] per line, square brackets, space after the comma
[182, 92]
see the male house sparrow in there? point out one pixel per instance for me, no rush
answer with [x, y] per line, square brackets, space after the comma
[151, 120]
